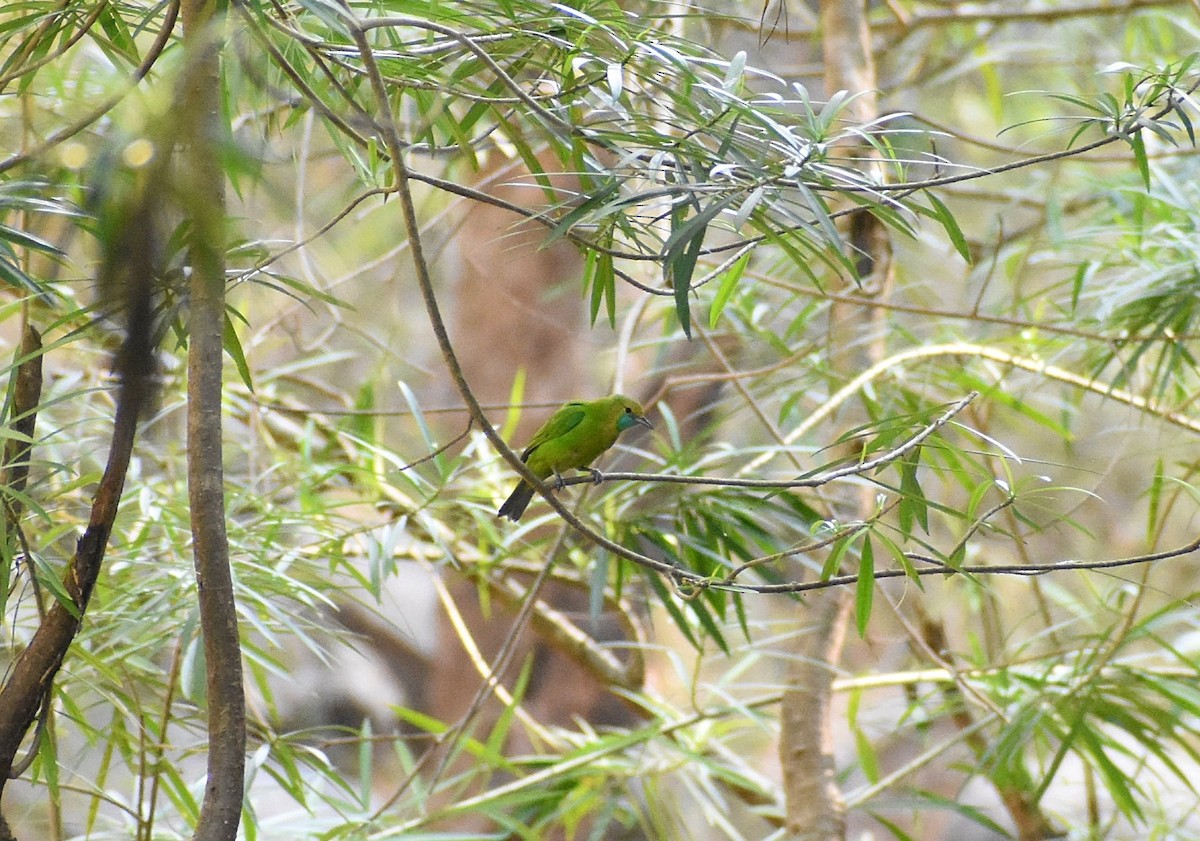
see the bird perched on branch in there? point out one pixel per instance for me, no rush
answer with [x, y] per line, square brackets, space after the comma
[572, 439]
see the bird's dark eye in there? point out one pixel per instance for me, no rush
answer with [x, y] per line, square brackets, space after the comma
[628, 410]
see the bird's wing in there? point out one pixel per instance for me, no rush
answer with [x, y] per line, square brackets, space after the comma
[560, 423]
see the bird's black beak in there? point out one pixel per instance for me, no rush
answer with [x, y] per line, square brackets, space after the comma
[643, 421]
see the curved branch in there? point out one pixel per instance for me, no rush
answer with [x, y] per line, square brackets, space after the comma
[1025, 363]
[433, 309]
[31, 676]
[551, 119]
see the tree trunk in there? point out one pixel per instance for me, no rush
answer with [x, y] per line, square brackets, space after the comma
[814, 807]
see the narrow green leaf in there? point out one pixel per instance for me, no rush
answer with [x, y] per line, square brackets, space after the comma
[1083, 273]
[1181, 113]
[12, 274]
[950, 224]
[597, 582]
[604, 286]
[591, 261]
[684, 233]
[742, 214]
[27, 240]
[971, 813]
[1138, 144]
[363, 424]
[118, 33]
[739, 607]
[992, 393]
[498, 735]
[834, 562]
[116, 732]
[891, 826]
[735, 72]
[958, 556]
[864, 591]
[421, 721]
[825, 222]
[329, 13]
[1155, 499]
[414, 406]
[682, 250]
[48, 760]
[730, 135]
[913, 505]
[366, 764]
[516, 396]
[708, 623]
[177, 789]
[681, 270]
[279, 760]
[7, 563]
[868, 760]
[49, 579]
[615, 73]
[729, 283]
[902, 559]
[581, 212]
[1119, 785]
[233, 347]
[1074, 100]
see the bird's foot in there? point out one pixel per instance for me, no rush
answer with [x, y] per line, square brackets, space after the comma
[559, 483]
[597, 476]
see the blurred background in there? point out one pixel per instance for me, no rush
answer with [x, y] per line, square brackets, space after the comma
[803, 235]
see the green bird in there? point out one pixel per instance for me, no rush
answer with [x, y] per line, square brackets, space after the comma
[573, 437]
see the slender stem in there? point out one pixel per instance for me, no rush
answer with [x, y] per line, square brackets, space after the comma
[204, 192]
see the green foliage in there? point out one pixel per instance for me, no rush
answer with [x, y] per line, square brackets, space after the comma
[1061, 290]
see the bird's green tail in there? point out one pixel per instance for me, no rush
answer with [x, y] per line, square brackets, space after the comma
[516, 504]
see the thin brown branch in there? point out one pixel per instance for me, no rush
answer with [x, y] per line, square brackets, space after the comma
[403, 178]
[940, 568]
[297, 78]
[858, 469]
[565, 635]
[159, 749]
[329, 225]
[37, 37]
[431, 456]
[1008, 13]
[26, 395]
[32, 674]
[203, 189]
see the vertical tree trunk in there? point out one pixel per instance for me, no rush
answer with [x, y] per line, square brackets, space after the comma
[814, 805]
[814, 808]
[202, 184]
